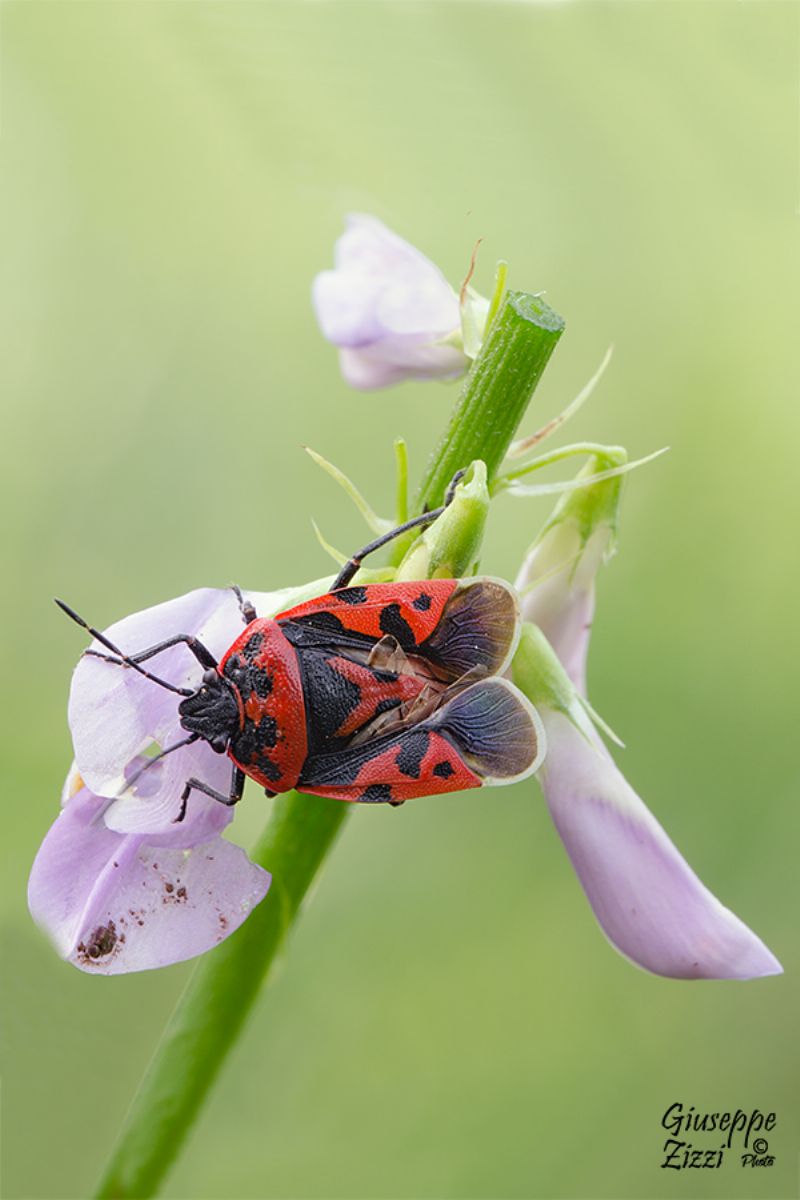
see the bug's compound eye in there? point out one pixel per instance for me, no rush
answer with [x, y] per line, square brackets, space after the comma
[219, 745]
[210, 675]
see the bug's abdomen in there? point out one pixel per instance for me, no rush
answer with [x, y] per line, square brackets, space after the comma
[270, 745]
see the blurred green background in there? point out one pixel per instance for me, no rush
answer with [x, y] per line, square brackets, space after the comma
[451, 1022]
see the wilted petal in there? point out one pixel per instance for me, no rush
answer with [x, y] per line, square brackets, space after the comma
[122, 902]
[649, 902]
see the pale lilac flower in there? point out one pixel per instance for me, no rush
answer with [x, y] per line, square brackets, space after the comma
[389, 310]
[649, 902]
[117, 902]
[117, 884]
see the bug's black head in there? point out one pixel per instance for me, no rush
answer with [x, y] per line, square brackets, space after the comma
[211, 712]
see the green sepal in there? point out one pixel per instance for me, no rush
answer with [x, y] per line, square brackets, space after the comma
[537, 671]
[596, 505]
[449, 547]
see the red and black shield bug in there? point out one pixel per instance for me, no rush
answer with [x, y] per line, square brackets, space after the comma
[374, 694]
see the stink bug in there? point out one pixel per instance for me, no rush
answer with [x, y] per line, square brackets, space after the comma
[374, 694]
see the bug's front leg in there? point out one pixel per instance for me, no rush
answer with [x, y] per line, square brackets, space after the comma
[197, 785]
[203, 656]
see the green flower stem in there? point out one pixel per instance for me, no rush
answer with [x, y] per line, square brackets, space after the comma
[495, 394]
[302, 829]
[220, 994]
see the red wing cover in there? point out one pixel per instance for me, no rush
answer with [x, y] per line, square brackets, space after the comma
[456, 626]
[487, 733]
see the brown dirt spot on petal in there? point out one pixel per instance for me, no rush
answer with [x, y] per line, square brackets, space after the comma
[101, 943]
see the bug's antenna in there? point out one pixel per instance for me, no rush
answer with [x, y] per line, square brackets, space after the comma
[124, 658]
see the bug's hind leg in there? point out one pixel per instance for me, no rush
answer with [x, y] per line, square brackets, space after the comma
[197, 785]
[245, 607]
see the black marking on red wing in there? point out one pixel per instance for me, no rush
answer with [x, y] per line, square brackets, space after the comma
[412, 751]
[351, 595]
[363, 619]
[376, 793]
[329, 697]
[489, 727]
[393, 622]
[341, 767]
[422, 602]
[323, 630]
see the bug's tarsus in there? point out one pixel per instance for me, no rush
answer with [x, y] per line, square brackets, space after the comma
[349, 569]
[197, 785]
[452, 485]
[247, 610]
[124, 659]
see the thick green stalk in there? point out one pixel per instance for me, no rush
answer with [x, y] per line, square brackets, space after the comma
[495, 394]
[302, 829]
[218, 997]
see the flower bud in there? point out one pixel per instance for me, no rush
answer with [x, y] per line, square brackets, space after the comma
[557, 578]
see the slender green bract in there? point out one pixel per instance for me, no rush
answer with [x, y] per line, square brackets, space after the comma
[302, 829]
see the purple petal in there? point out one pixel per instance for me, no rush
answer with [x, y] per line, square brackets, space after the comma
[114, 712]
[346, 306]
[114, 903]
[386, 306]
[649, 902]
[153, 804]
[374, 367]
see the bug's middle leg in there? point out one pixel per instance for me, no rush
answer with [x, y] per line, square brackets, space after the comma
[197, 785]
